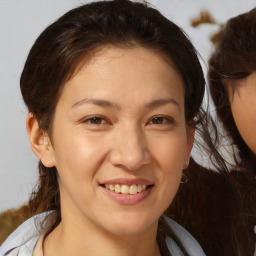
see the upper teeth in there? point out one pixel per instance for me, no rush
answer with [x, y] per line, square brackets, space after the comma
[125, 189]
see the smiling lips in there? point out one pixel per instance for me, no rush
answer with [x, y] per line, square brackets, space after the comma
[127, 192]
[126, 189]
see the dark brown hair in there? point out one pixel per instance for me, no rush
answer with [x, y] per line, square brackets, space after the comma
[62, 46]
[234, 58]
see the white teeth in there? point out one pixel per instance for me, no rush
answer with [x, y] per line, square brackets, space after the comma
[133, 190]
[125, 189]
[117, 188]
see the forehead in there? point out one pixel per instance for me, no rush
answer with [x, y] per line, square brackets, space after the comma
[235, 85]
[105, 53]
[132, 71]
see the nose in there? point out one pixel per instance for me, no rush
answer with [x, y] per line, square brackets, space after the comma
[129, 149]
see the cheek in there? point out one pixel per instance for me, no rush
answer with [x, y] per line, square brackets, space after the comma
[170, 148]
[77, 156]
[243, 103]
[237, 111]
[243, 107]
[170, 154]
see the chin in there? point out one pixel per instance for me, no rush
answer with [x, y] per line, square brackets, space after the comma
[131, 225]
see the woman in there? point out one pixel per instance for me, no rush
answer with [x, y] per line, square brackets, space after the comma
[232, 79]
[218, 208]
[113, 91]
[232, 83]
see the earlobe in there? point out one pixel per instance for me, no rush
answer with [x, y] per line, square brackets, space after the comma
[190, 141]
[186, 164]
[40, 142]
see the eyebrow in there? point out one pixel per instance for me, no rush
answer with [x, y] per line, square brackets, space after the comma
[98, 102]
[108, 104]
[161, 102]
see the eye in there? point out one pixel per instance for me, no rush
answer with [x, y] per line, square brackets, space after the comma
[97, 120]
[161, 120]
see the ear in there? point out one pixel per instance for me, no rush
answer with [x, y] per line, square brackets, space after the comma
[40, 142]
[190, 141]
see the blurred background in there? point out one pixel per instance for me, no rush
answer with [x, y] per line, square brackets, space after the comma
[21, 22]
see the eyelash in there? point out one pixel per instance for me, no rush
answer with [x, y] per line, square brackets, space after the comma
[165, 119]
[160, 120]
[93, 120]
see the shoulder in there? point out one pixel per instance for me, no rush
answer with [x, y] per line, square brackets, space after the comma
[23, 239]
[182, 238]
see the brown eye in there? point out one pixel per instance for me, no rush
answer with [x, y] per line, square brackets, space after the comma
[157, 120]
[95, 120]
[160, 120]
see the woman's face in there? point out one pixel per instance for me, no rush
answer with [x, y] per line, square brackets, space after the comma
[242, 97]
[120, 141]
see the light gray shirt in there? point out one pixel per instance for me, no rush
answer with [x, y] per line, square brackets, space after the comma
[23, 240]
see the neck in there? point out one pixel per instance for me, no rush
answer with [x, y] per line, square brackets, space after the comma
[79, 240]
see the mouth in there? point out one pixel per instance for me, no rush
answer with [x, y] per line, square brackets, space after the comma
[126, 189]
